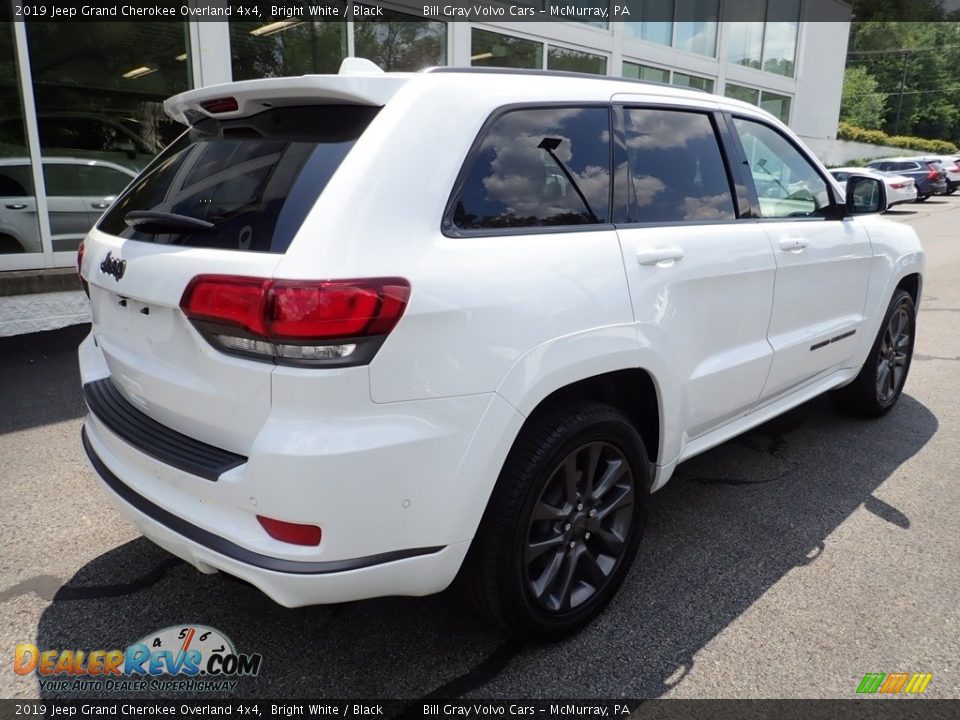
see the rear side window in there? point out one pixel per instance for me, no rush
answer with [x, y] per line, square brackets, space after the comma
[539, 167]
[15, 180]
[676, 170]
[253, 178]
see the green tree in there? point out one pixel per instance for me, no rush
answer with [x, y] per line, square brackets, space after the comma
[862, 104]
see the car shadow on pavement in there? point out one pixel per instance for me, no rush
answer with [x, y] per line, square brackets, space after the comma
[731, 524]
[40, 378]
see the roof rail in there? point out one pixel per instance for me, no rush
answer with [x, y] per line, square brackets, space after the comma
[554, 73]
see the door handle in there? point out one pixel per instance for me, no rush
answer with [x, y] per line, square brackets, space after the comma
[100, 205]
[16, 206]
[794, 245]
[667, 256]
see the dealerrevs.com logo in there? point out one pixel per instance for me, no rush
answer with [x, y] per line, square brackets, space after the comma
[183, 657]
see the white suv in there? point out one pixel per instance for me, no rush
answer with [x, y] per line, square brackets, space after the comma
[357, 335]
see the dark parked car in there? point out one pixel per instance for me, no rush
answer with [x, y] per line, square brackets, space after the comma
[927, 173]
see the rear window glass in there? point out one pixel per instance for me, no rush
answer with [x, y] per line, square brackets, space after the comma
[254, 179]
[539, 167]
[676, 170]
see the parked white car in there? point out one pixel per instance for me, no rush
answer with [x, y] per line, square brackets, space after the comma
[900, 189]
[347, 346]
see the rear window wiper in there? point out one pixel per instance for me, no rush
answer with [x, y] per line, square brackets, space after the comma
[148, 220]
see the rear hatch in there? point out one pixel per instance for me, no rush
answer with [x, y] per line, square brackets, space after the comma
[226, 198]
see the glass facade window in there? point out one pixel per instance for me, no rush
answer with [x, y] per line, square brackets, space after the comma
[744, 39]
[101, 110]
[489, 49]
[689, 25]
[401, 42]
[693, 33]
[19, 228]
[767, 38]
[576, 61]
[289, 47]
[653, 21]
[778, 105]
[774, 103]
[645, 72]
[693, 81]
[739, 92]
[780, 37]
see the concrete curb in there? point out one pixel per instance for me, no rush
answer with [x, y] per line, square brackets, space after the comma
[23, 282]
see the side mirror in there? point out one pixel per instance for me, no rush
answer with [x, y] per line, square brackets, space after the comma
[865, 195]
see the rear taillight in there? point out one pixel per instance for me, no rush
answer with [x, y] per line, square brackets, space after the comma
[898, 186]
[83, 282]
[934, 173]
[288, 532]
[295, 322]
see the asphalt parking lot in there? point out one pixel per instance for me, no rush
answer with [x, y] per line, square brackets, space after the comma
[786, 563]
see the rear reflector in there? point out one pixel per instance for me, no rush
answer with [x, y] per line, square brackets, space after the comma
[331, 322]
[288, 532]
[220, 105]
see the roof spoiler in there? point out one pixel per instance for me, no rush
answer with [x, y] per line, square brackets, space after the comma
[360, 82]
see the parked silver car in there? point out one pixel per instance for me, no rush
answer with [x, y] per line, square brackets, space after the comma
[77, 191]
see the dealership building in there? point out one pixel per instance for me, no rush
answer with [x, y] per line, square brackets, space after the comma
[82, 101]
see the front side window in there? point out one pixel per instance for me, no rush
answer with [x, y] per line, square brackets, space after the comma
[787, 184]
[676, 169]
[537, 168]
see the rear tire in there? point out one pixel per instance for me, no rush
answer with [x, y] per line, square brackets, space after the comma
[9, 245]
[879, 384]
[563, 524]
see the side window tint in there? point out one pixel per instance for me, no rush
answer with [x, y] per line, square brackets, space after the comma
[99, 180]
[787, 184]
[539, 167]
[15, 181]
[676, 169]
[63, 179]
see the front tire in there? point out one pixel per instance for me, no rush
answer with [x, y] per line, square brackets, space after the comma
[563, 524]
[879, 384]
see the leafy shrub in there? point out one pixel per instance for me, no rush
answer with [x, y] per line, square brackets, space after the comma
[845, 131]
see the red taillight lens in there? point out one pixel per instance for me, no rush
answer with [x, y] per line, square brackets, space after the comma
[229, 300]
[288, 532]
[898, 186]
[220, 105]
[298, 311]
[311, 322]
[83, 282]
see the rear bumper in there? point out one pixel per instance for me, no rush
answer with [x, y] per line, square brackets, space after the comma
[415, 571]
[398, 489]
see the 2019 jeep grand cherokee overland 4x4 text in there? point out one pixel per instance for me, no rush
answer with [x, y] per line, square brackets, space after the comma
[358, 347]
